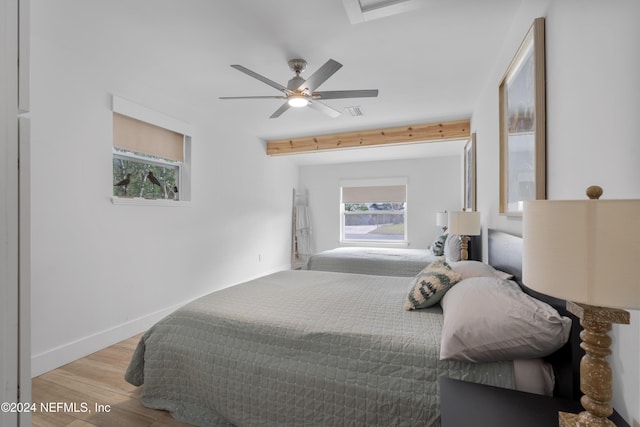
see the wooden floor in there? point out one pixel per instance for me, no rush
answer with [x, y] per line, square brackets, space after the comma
[97, 379]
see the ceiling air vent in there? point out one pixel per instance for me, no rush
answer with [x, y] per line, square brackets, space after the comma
[356, 110]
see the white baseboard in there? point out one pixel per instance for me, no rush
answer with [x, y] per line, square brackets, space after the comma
[67, 353]
[59, 356]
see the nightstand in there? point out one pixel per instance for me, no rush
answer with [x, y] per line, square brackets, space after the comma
[469, 404]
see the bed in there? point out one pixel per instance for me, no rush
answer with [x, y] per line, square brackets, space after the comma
[388, 261]
[304, 348]
[376, 261]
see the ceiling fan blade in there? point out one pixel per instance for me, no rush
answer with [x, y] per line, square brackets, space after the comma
[261, 78]
[324, 108]
[321, 75]
[252, 97]
[335, 94]
[284, 107]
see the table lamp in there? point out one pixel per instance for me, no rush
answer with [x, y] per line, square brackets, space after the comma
[464, 224]
[588, 253]
[442, 220]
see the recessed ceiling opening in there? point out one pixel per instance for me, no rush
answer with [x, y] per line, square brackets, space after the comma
[367, 10]
[369, 5]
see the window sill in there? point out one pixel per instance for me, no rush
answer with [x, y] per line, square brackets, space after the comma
[375, 243]
[148, 202]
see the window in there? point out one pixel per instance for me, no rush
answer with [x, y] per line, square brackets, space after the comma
[137, 175]
[374, 210]
[150, 156]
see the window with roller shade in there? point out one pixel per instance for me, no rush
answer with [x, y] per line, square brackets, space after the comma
[373, 210]
[149, 161]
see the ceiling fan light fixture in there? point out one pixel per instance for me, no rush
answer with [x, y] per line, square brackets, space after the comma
[298, 101]
[301, 92]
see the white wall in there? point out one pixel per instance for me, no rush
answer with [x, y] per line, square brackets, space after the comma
[103, 272]
[434, 184]
[593, 64]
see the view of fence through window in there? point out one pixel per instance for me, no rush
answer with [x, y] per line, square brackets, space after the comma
[374, 221]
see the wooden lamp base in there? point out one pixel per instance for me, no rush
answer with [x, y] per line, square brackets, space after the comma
[464, 247]
[575, 420]
[595, 373]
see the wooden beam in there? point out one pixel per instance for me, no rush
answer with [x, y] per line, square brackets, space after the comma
[430, 132]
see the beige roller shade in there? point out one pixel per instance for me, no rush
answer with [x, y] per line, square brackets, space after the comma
[375, 194]
[135, 135]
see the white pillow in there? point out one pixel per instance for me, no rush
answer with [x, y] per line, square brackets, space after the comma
[489, 319]
[468, 269]
[452, 247]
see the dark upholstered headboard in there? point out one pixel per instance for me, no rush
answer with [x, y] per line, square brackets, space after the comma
[475, 248]
[505, 254]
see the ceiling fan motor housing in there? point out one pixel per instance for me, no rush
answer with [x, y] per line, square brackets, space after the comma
[295, 82]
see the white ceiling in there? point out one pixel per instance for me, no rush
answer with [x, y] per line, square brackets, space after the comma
[429, 64]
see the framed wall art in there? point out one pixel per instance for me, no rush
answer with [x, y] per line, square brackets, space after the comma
[470, 174]
[523, 125]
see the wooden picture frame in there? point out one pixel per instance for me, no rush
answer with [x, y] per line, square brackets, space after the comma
[522, 101]
[470, 174]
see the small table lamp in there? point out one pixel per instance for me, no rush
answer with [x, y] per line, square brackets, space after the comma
[464, 224]
[442, 220]
[588, 253]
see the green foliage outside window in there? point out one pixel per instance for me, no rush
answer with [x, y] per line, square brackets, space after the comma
[135, 178]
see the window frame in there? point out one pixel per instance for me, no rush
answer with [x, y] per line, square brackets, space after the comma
[375, 182]
[130, 109]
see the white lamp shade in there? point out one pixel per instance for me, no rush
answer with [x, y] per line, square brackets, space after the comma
[442, 219]
[585, 251]
[464, 223]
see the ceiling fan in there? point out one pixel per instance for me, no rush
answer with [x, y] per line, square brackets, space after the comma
[301, 93]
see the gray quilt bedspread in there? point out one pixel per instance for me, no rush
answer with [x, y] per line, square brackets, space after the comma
[301, 348]
[378, 261]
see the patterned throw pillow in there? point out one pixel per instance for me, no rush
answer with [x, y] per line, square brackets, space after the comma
[438, 245]
[430, 285]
